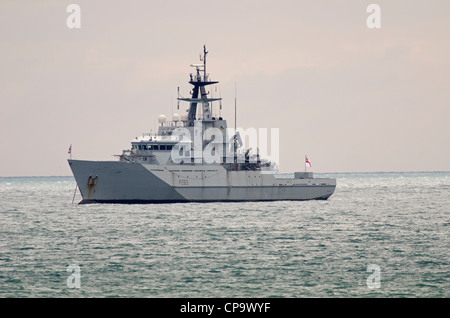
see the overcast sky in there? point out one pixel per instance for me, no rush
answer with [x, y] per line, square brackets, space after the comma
[350, 97]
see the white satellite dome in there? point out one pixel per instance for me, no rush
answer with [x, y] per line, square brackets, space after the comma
[176, 117]
[184, 117]
[161, 119]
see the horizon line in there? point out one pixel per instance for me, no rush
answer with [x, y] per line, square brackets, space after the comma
[410, 171]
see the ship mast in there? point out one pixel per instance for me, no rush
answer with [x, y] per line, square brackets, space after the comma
[204, 62]
[199, 83]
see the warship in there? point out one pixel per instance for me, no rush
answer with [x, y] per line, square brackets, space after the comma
[194, 157]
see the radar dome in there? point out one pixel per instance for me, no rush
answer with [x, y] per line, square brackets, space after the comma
[184, 117]
[161, 119]
[176, 117]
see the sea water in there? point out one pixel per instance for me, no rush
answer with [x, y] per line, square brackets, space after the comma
[379, 235]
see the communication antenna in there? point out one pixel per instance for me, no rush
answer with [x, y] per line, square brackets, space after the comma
[220, 103]
[235, 106]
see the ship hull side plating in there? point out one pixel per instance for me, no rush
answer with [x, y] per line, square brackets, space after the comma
[125, 182]
[120, 182]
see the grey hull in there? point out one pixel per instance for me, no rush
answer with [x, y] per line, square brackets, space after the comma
[125, 182]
